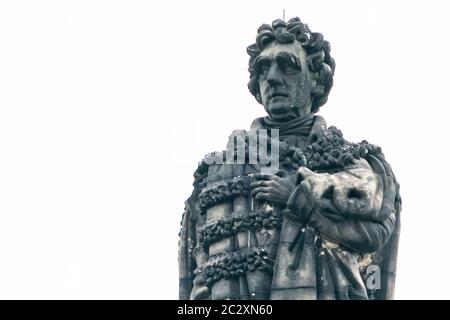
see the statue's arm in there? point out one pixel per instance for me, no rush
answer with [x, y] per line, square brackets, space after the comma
[353, 207]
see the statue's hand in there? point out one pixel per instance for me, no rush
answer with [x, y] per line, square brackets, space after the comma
[274, 188]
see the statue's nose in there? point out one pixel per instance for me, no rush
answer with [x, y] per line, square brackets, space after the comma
[274, 76]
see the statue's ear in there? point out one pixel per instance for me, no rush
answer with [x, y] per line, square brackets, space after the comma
[316, 89]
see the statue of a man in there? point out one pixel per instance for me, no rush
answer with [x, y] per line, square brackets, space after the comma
[324, 225]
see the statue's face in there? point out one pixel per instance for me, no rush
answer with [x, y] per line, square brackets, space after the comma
[285, 82]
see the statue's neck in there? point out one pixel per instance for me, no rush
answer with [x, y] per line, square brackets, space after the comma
[297, 126]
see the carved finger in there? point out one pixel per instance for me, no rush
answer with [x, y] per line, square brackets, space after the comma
[261, 176]
[262, 183]
[263, 196]
[261, 189]
[282, 173]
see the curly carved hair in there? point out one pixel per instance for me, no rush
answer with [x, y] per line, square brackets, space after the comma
[319, 61]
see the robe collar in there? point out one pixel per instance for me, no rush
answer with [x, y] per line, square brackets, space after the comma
[303, 126]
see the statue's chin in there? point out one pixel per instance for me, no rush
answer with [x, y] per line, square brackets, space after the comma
[281, 112]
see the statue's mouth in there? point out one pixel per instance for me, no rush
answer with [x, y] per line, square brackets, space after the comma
[278, 95]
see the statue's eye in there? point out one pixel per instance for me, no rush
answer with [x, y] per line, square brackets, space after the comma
[289, 63]
[262, 66]
[288, 69]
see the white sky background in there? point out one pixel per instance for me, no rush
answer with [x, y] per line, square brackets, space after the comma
[106, 107]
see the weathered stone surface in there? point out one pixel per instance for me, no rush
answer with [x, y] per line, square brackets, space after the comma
[221, 246]
[219, 211]
[296, 265]
[225, 289]
[258, 283]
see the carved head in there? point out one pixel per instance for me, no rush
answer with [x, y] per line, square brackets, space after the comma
[291, 70]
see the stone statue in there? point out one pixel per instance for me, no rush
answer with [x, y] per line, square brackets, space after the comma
[321, 224]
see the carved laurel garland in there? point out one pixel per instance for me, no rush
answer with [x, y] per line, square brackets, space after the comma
[224, 228]
[232, 266]
[329, 150]
[239, 186]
